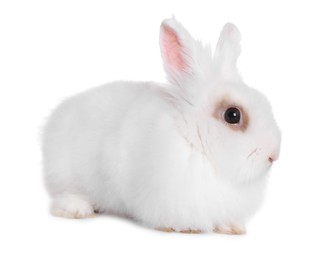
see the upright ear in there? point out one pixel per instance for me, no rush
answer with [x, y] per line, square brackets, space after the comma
[176, 48]
[228, 50]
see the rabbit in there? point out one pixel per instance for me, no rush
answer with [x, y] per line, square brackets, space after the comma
[191, 155]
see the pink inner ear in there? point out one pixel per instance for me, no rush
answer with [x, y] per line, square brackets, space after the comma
[173, 50]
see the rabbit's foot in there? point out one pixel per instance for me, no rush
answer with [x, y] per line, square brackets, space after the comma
[71, 206]
[233, 229]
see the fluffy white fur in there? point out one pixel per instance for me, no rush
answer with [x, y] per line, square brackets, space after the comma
[155, 152]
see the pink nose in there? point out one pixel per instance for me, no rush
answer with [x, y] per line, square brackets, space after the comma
[273, 158]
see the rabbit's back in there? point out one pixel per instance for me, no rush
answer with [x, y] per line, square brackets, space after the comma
[93, 141]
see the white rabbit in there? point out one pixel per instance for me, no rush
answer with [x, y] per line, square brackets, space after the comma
[189, 156]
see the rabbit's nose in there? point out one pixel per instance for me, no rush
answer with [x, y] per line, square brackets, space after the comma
[273, 158]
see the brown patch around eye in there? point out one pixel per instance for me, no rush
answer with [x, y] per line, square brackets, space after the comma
[220, 109]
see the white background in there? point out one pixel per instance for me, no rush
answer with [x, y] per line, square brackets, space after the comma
[52, 49]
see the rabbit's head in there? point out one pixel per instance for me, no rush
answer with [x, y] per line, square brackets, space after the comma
[229, 122]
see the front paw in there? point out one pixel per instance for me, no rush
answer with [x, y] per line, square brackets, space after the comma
[232, 229]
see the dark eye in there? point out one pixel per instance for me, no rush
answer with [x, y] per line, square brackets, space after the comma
[232, 115]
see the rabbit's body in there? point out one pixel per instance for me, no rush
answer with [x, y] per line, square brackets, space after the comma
[175, 187]
[173, 157]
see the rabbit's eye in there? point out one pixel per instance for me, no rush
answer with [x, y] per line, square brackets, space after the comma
[232, 115]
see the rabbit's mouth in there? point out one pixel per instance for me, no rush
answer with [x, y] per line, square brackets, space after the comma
[252, 153]
[257, 154]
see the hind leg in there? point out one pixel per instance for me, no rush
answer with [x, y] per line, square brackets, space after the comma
[71, 206]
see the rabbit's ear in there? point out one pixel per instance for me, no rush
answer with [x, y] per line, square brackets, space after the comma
[228, 49]
[176, 47]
